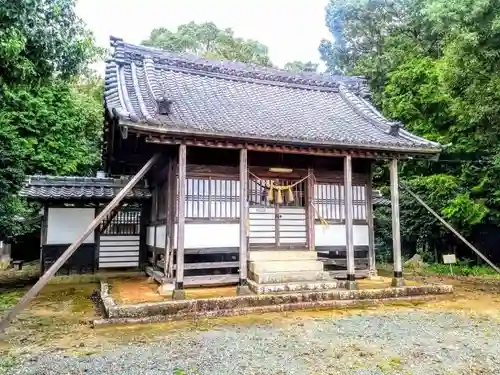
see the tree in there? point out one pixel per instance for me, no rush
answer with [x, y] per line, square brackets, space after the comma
[432, 65]
[208, 40]
[300, 66]
[48, 122]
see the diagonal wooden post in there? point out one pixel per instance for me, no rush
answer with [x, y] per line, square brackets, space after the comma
[453, 230]
[35, 289]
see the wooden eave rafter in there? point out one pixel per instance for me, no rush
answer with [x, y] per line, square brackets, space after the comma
[176, 137]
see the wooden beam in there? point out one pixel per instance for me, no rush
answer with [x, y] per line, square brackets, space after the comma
[181, 218]
[268, 147]
[348, 207]
[72, 248]
[243, 215]
[396, 231]
[371, 228]
[310, 212]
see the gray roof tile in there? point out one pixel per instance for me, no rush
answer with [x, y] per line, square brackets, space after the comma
[223, 98]
[85, 188]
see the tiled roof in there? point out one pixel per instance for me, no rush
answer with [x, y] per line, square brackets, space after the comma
[229, 99]
[379, 200]
[85, 188]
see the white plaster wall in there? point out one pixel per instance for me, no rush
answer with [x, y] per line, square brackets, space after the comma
[160, 235]
[211, 235]
[66, 224]
[150, 236]
[334, 235]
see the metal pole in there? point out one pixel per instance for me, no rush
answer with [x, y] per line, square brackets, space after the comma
[453, 230]
[35, 289]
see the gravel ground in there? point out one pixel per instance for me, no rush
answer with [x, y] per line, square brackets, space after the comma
[417, 343]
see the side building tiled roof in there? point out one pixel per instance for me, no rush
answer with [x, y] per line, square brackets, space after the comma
[79, 188]
[184, 94]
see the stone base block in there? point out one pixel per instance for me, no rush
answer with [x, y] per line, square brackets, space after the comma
[165, 289]
[179, 294]
[351, 285]
[243, 290]
[398, 282]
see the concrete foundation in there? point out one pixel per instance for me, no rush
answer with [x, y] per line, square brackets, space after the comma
[398, 282]
[179, 294]
[243, 290]
[166, 289]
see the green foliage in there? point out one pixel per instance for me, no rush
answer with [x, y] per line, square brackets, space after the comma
[434, 66]
[50, 117]
[208, 40]
[300, 66]
[461, 269]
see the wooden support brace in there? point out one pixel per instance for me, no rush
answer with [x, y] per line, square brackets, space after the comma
[72, 248]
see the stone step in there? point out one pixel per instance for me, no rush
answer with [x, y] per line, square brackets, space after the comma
[286, 266]
[292, 286]
[272, 255]
[285, 277]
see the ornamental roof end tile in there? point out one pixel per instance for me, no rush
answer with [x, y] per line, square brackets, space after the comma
[187, 93]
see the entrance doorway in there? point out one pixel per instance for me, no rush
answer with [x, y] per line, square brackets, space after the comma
[277, 219]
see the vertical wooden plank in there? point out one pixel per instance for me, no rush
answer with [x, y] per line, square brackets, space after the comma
[396, 234]
[371, 228]
[243, 215]
[181, 218]
[310, 209]
[349, 232]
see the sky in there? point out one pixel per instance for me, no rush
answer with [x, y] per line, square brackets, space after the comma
[292, 29]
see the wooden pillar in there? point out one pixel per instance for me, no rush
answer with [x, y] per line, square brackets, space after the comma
[243, 285]
[179, 279]
[371, 228]
[172, 213]
[43, 237]
[168, 235]
[310, 210]
[349, 230]
[396, 233]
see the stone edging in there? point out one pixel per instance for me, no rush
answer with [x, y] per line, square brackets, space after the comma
[262, 303]
[317, 305]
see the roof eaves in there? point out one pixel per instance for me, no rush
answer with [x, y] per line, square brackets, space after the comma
[175, 130]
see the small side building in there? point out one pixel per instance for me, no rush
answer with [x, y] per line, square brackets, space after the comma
[265, 176]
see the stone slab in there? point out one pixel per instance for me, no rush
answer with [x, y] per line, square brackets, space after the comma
[286, 266]
[281, 255]
[291, 287]
[286, 277]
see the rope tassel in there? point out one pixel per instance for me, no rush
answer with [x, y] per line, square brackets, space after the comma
[280, 197]
[290, 198]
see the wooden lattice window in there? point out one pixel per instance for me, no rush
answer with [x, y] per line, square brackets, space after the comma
[212, 198]
[329, 201]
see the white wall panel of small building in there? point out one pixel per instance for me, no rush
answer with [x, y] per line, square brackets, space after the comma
[65, 225]
[334, 235]
[150, 236]
[201, 235]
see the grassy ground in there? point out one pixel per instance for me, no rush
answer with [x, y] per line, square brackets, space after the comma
[58, 319]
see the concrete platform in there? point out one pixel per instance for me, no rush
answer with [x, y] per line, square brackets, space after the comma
[240, 305]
